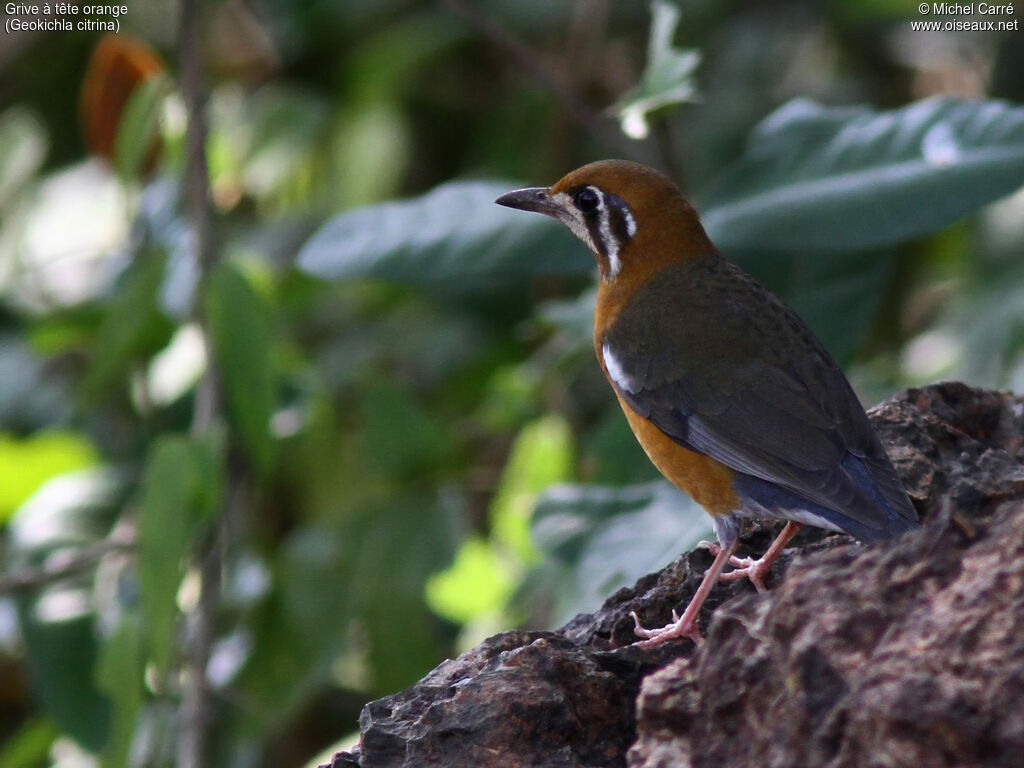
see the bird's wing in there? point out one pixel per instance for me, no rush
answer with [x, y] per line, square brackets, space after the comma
[721, 366]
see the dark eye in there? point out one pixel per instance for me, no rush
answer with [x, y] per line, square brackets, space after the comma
[587, 200]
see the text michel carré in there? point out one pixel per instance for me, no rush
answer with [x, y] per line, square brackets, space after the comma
[969, 9]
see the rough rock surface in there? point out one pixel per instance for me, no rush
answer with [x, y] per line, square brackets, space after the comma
[905, 653]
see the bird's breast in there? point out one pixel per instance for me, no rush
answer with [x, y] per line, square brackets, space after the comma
[703, 479]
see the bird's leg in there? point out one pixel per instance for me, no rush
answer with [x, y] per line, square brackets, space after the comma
[756, 570]
[686, 625]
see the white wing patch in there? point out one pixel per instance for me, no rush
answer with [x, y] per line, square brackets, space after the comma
[751, 509]
[619, 376]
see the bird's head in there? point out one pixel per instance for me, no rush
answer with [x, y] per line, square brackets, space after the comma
[633, 218]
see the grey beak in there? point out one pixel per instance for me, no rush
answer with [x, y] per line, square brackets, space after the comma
[536, 199]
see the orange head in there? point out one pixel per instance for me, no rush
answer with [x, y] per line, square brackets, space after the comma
[633, 218]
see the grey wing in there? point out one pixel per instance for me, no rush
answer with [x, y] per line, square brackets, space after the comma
[746, 383]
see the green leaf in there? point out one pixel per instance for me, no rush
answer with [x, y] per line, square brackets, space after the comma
[138, 130]
[541, 455]
[401, 437]
[173, 496]
[60, 646]
[29, 745]
[605, 538]
[478, 582]
[820, 179]
[208, 457]
[132, 329]
[57, 622]
[668, 77]
[23, 143]
[394, 547]
[119, 675]
[37, 459]
[73, 509]
[379, 558]
[240, 332]
[454, 235]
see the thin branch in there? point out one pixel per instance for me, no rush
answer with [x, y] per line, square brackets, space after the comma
[196, 705]
[64, 564]
[525, 59]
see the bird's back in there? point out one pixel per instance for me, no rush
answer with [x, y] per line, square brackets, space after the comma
[722, 367]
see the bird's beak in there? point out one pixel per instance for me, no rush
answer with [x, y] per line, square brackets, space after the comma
[536, 199]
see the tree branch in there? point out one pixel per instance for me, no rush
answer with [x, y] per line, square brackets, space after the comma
[64, 564]
[196, 716]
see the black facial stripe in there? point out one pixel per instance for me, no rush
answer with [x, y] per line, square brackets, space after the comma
[594, 228]
[619, 217]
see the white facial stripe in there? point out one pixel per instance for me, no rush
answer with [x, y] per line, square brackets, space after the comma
[611, 243]
[630, 222]
[610, 246]
[615, 370]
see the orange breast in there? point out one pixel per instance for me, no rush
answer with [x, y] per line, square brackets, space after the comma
[706, 481]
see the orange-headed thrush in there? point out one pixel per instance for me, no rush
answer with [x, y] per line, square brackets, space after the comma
[727, 390]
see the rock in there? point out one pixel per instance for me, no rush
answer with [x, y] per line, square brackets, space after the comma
[905, 653]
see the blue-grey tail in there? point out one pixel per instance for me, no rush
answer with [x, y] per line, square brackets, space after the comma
[874, 505]
[879, 479]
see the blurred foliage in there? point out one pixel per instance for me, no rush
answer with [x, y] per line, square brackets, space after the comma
[409, 430]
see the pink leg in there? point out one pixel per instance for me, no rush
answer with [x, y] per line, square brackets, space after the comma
[756, 570]
[686, 625]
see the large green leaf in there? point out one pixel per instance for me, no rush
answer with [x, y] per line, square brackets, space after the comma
[175, 499]
[240, 330]
[60, 644]
[820, 179]
[607, 537]
[454, 234]
[119, 672]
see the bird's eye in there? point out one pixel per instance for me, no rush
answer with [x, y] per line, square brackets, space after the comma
[587, 200]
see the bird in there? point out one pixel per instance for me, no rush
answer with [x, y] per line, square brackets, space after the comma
[730, 394]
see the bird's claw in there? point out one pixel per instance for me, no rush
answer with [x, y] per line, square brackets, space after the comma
[748, 567]
[677, 628]
[736, 562]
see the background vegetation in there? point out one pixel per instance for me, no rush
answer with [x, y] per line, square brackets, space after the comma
[266, 457]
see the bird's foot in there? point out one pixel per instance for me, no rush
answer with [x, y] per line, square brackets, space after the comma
[681, 626]
[748, 567]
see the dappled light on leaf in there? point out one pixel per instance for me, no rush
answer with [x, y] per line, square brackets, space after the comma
[821, 179]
